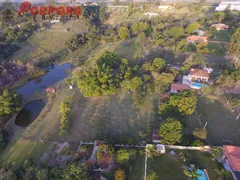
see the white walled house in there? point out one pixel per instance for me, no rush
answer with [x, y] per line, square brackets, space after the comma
[234, 5]
[199, 75]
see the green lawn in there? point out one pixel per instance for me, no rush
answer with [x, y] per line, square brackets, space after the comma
[221, 122]
[219, 49]
[222, 35]
[137, 168]
[166, 167]
[18, 151]
[169, 167]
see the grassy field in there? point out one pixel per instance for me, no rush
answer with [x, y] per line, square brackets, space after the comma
[170, 167]
[112, 116]
[222, 35]
[221, 122]
[219, 49]
[137, 171]
[18, 151]
[50, 41]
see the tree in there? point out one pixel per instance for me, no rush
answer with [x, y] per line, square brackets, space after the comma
[124, 155]
[42, 174]
[75, 172]
[217, 152]
[198, 59]
[174, 32]
[219, 16]
[9, 103]
[192, 173]
[152, 176]
[151, 151]
[185, 102]
[163, 81]
[200, 133]
[132, 84]
[192, 27]
[123, 33]
[119, 175]
[65, 111]
[138, 27]
[234, 44]
[2, 139]
[105, 154]
[171, 131]
[158, 64]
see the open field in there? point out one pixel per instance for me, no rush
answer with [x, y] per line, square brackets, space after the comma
[219, 49]
[91, 118]
[221, 122]
[49, 42]
[18, 151]
[170, 167]
[222, 36]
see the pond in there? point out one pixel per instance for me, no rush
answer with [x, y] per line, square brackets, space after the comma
[29, 113]
[55, 73]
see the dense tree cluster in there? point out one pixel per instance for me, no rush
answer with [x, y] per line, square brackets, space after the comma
[6, 50]
[171, 131]
[65, 109]
[124, 155]
[230, 78]
[234, 44]
[105, 154]
[9, 103]
[183, 103]
[106, 75]
[17, 33]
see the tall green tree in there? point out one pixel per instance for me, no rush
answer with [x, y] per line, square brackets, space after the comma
[123, 32]
[75, 172]
[151, 150]
[124, 155]
[234, 44]
[65, 108]
[171, 131]
[9, 103]
[192, 27]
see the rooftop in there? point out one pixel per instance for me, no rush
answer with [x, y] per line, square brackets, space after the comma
[199, 72]
[233, 156]
[197, 38]
[179, 87]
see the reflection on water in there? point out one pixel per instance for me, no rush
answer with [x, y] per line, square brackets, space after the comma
[29, 113]
[55, 73]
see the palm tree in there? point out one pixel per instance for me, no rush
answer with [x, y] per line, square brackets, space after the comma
[192, 173]
[151, 151]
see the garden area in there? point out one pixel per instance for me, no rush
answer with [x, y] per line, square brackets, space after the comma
[171, 166]
[221, 122]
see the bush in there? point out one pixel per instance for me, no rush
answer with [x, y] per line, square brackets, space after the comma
[217, 152]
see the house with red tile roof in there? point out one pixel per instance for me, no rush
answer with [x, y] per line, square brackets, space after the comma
[198, 75]
[220, 27]
[196, 39]
[232, 154]
[178, 87]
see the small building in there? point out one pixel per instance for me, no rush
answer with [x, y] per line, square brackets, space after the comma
[200, 32]
[161, 149]
[220, 27]
[209, 70]
[178, 87]
[198, 75]
[50, 90]
[163, 8]
[155, 137]
[233, 5]
[185, 80]
[197, 39]
[175, 66]
[232, 157]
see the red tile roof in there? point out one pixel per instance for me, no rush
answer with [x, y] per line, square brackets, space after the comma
[233, 156]
[197, 38]
[199, 72]
[220, 26]
[179, 87]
